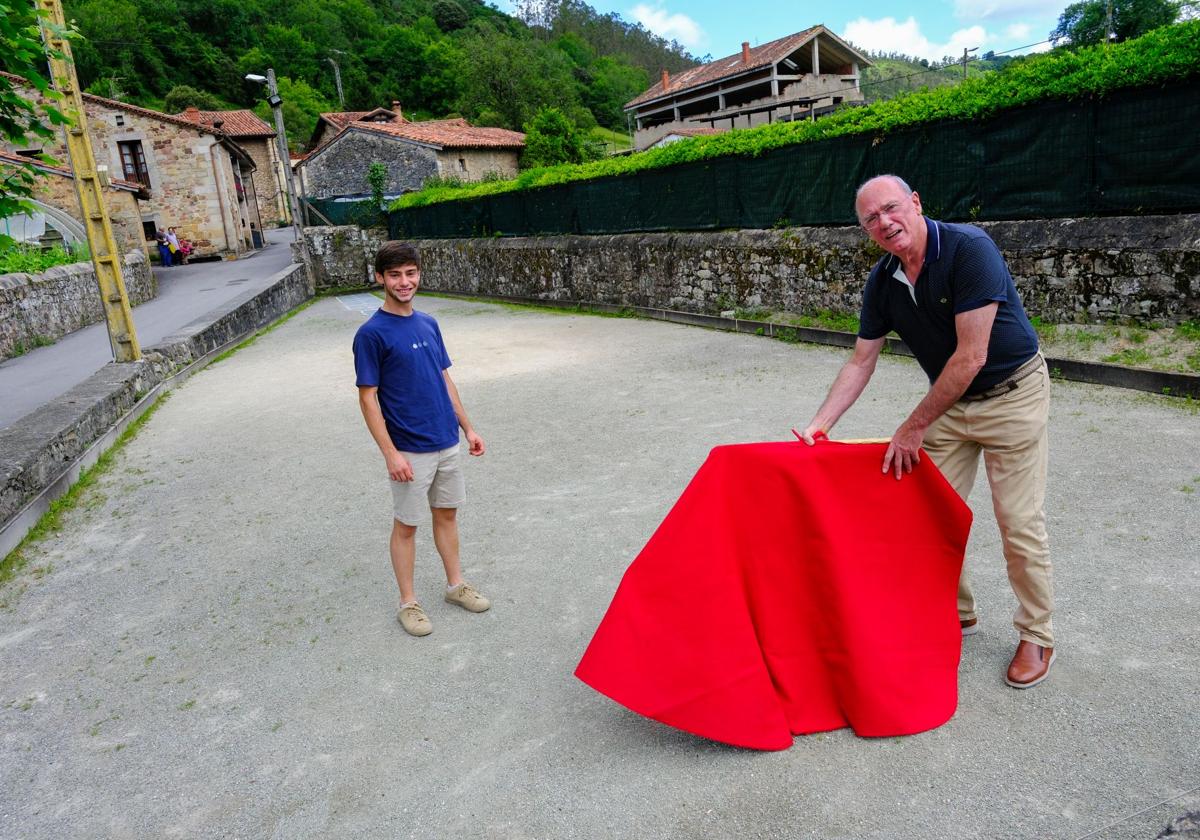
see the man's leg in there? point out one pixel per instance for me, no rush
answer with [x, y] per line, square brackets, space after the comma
[403, 548]
[958, 460]
[445, 537]
[1016, 470]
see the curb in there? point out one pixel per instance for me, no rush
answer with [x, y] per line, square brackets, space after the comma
[1163, 383]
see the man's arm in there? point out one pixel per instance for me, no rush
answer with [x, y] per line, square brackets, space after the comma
[846, 388]
[474, 442]
[974, 330]
[397, 465]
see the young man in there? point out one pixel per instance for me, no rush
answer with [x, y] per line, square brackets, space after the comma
[414, 413]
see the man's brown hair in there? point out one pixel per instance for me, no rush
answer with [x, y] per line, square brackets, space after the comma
[394, 254]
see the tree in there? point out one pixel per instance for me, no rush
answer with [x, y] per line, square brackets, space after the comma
[180, 97]
[22, 53]
[1084, 23]
[449, 15]
[552, 138]
[506, 80]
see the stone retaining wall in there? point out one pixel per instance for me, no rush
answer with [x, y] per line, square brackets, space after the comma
[61, 300]
[1143, 269]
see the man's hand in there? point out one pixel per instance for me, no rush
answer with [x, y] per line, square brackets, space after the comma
[398, 467]
[811, 432]
[475, 444]
[904, 452]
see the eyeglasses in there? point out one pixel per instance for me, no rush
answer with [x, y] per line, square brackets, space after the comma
[872, 221]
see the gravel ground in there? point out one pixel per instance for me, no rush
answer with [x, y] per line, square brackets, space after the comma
[208, 647]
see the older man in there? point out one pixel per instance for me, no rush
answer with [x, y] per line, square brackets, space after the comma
[945, 289]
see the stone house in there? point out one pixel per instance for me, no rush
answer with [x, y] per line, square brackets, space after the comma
[411, 151]
[57, 208]
[796, 77]
[258, 139]
[195, 177]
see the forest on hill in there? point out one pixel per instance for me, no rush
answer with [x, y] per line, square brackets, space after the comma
[435, 57]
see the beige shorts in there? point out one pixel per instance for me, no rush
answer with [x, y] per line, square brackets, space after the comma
[437, 483]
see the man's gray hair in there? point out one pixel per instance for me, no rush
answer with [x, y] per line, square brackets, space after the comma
[894, 178]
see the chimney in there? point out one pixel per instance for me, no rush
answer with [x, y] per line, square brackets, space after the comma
[666, 79]
[397, 110]
[191, 113]
[745, 52]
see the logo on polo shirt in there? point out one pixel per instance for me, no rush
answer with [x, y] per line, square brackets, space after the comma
[420, 345]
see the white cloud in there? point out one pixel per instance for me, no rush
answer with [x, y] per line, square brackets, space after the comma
[887, 35]
[674, 27]
[1018, 31]
[978, 10]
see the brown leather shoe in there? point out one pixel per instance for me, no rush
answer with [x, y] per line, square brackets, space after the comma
[1030, 665]
[970, 626]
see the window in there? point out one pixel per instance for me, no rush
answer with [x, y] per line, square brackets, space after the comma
[462, 164]
[120, 119]
[149, 229]
[133, 161]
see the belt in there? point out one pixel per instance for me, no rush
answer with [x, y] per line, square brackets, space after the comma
[1008, 384]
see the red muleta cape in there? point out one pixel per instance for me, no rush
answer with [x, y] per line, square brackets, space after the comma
[792, 589]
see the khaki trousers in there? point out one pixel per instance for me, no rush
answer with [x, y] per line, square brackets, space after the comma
[1010, 431]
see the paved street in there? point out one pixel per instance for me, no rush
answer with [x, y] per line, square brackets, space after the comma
[208, 647]
[184, 293]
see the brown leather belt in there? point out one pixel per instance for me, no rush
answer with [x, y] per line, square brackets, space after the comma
[1009, 384]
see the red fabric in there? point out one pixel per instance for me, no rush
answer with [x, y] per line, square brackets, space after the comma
[792, 589]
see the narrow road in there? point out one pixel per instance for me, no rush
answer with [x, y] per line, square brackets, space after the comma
[184, 293]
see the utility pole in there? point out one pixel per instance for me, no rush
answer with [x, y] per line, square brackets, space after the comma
[965, 59]
[276, 102]
[337, 80]
[105, 258]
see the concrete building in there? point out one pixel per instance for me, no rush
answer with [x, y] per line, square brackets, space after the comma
[258, 139]
[348, 143]
[796, 77]
[194, 176]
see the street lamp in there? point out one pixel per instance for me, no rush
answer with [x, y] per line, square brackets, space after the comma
[275, 101]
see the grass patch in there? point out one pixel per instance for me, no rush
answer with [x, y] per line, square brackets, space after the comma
[25, 259]
[253, 338]
[52, 520]
[1130, 356]
[1188, 331]
[21, 347]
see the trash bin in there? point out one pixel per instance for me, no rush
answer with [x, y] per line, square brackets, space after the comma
[256, 236]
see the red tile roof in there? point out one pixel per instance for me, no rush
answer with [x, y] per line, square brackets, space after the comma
[8, 157]
[448, 134]
[341, 118]
[240, 123]
[763, 55]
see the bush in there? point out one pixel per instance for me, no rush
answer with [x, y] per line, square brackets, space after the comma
[27, 259]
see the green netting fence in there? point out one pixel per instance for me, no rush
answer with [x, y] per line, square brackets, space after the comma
[1132, 152]
[328, 211]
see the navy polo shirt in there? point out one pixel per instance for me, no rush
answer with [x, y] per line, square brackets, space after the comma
[963, 270]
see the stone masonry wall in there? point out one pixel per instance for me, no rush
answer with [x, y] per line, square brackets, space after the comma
[1141, 269]
[341, 167]
[474, 164]
[272, 200]
[61, 300]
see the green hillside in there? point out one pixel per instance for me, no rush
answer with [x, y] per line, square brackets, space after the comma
[436, 57]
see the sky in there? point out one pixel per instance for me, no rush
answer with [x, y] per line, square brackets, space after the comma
[922, 28]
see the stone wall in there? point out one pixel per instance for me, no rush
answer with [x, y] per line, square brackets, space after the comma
[1142, 269]
[272, 199]
[45, 306]
[475, 164]
[340, 167]
[340, 257]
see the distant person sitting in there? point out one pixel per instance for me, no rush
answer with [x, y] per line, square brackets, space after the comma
[185, 250]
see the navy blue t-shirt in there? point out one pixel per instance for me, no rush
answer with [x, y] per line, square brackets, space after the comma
[403, 356]
[963, 270]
